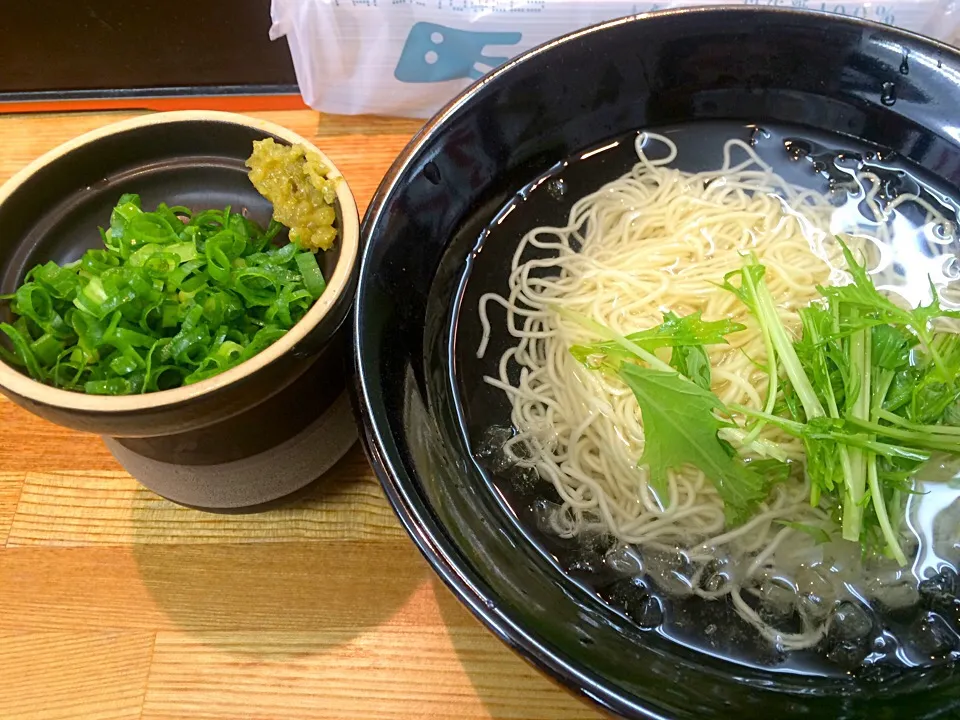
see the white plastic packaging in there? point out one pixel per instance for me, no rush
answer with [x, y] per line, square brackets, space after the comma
[410, 57]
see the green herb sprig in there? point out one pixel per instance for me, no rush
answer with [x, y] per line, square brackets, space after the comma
[870, 388]
[682, 417]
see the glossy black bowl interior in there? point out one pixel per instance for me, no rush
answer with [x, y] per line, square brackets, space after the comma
[824, 72]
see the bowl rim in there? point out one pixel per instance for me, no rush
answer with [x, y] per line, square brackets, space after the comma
[387, 457]
[338, 283]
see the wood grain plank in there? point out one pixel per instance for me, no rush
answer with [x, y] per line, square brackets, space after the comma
[10, 486]
[36, 133]
[30, 137]
[66, 676]
[31, 444]
[396, 673]
[296, 586]
[110, 508]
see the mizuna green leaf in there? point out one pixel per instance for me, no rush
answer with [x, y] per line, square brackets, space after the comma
[680, 428]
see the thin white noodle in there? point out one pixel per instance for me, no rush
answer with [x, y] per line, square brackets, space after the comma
[658, 238]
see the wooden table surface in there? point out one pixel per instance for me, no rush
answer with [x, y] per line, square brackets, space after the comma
[115, 603]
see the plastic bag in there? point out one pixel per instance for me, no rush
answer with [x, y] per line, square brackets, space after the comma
[410, 57]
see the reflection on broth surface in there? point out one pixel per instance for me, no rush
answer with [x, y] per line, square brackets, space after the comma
[724, 507]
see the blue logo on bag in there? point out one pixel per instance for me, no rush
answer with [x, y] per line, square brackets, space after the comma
[434, 53]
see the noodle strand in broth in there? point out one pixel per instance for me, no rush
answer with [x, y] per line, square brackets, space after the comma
[654, 240]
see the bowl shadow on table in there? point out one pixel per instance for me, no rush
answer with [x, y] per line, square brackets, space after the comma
[303, 578]
[507, 685]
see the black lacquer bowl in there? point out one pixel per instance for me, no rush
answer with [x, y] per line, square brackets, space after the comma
[219, 444]
[827, 73]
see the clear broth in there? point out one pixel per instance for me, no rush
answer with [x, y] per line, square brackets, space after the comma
[918, 628]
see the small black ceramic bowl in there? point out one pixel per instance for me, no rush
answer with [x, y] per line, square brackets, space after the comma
[246, 437]
[828, 74]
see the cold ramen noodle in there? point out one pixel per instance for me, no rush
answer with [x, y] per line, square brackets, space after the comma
[176, 296]
[707, 367]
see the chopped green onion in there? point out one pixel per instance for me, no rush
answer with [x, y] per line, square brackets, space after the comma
[312, 277]
[113, 386]
[171, 298]
[21, 347]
